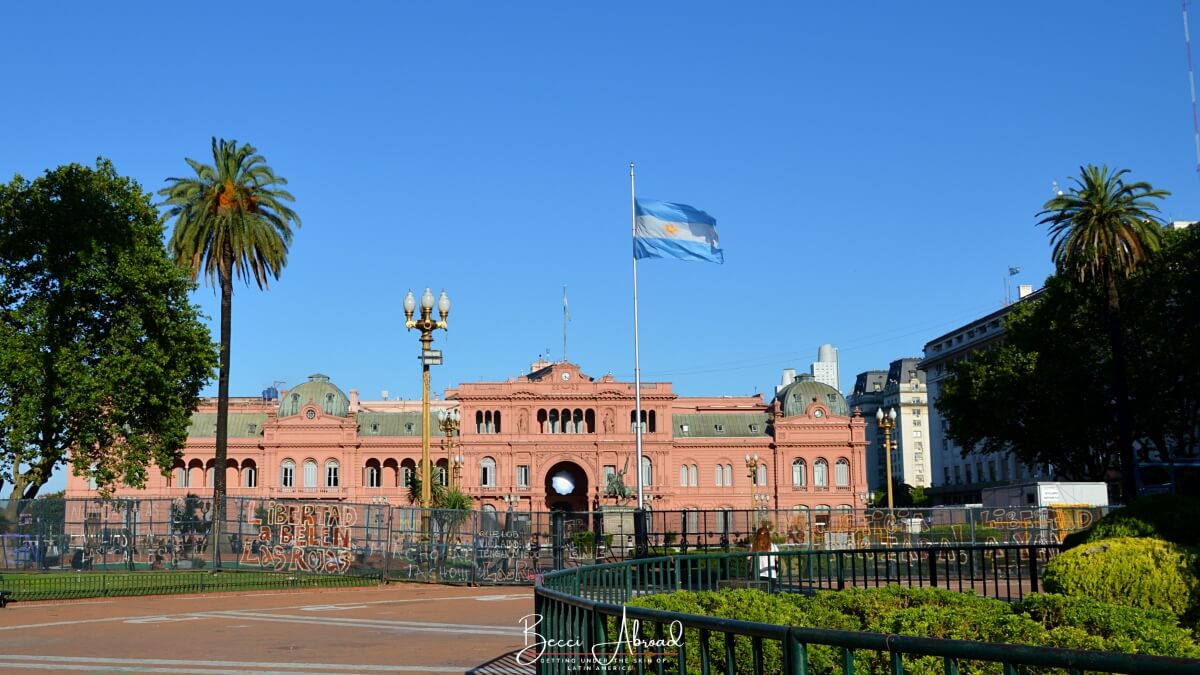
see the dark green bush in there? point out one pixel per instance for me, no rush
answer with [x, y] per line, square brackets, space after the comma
[1142, 573]
[1168, 517]
[1047, 620]
[1084, 623]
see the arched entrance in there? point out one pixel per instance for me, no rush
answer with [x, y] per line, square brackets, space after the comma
[568, 478]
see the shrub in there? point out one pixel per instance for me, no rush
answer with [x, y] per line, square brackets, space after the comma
[1142, 573]
[1084, 623]
[1046, 620]
[1169, 517]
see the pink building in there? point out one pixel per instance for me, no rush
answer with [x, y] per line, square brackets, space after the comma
[516, 437]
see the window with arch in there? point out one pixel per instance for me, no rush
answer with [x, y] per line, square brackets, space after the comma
[181, 477]
[310, 473]
[720, 476]
[821, 473]
[374, 475]
[800, 519]
[694, 475]
[649, 421]
[821, 515]
[331, 473]
[841, 473]
[287, 474]
[249, 475]
[728, 475]
[408, 469]
[683, 475]
[799, 473]
[761, 476]
[647, 471]
[487, 472]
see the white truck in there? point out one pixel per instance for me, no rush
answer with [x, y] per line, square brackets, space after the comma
[1045, 493]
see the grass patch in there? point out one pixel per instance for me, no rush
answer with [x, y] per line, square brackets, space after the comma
[66, 586]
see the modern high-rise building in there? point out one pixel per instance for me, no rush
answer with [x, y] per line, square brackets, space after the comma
[958, 479]
[825, 368]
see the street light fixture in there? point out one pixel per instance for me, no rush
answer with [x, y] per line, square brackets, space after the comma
[429, 357]
[458, 465]
[886, 424]
[752, 473]
[448, 421]
[512, 501]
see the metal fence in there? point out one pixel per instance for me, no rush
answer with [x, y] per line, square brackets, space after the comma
[581, 622]
[468, 547]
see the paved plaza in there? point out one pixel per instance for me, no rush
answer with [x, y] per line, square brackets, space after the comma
[405, 628]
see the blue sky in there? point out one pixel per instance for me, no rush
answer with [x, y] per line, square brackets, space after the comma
[874, 168]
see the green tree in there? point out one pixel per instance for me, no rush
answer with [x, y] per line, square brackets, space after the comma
[230, 220]
[103, 355]
[1043, 396]
[1101, 231]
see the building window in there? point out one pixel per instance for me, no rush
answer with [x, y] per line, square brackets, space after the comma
[287, 474]
[719, 428]
[754, 428]
[821, 473]
[841, 473]
[694, 475]
[487, 472]
[610, 472]
[181, 477]
[250, 476]
[799, 473]
[408, 427]
[647, 471]
[969, 475]
[720, 474]
[683, 475]
[916, 421]
[331, 473]
[946, 474]
[683, 430]
[310, 473]
[523, 475]
[729, 475]
[373, 479]
[693, 520]
[762, 475]
[958, 475]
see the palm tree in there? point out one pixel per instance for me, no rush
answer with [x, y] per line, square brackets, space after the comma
[230, 220]
[1101, 231]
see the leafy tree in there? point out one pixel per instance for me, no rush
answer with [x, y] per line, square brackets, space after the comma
[230, 220]
[1101, 231]
[102, 353]
[1047, 395]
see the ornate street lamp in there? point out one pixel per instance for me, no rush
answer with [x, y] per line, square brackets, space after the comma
[429, 357]
[886, 424]
[448, 421]
[458, 465]
[752, 473]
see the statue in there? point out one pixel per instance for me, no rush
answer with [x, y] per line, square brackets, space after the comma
[616, 488]
[608, 422]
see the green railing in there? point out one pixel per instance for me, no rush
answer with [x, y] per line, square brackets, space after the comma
[582, 623]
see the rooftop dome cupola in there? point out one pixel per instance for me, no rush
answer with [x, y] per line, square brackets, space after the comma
[318, 391]
[805, 391]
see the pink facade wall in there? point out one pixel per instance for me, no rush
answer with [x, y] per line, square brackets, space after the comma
[601, 434]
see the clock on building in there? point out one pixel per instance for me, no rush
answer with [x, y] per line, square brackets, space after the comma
[566, 376]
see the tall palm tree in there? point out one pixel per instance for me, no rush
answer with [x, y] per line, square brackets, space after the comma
[230, 220]
[1101, 231]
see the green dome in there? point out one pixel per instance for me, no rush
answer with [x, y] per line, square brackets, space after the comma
[318, 390]
[805, 391]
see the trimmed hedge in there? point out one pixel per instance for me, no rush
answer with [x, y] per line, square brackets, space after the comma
[1169, 517]
[1048, 620]
[1132, 572]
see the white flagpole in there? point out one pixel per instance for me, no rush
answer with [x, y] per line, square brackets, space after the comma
[637, 371]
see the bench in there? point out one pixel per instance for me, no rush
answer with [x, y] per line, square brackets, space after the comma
[4, 594]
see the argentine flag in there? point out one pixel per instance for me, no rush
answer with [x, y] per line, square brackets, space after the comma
[667, 230]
